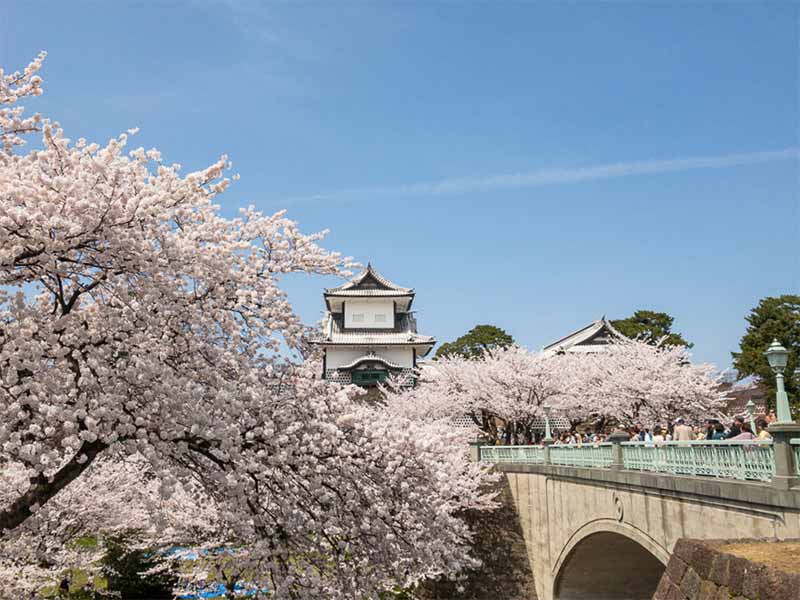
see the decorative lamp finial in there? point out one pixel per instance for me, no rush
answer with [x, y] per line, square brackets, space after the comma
[777, 356]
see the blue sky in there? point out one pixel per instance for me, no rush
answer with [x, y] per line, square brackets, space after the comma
[531, 165]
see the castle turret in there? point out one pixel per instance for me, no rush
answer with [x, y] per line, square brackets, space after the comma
[369, 332]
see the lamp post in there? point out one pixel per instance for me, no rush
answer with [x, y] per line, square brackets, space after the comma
[751, 407]
[783, 429]
[548, 437]
[778, 356]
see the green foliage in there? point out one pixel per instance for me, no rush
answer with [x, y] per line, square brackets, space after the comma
[85, 542]
[651, 327]
[396, 594]
[123, 568]
[773, 318]
[477, 341]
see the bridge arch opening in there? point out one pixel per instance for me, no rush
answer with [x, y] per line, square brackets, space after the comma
[608, 566]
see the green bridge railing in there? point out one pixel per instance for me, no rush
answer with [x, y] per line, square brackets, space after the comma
[598, 457]
[752, 460]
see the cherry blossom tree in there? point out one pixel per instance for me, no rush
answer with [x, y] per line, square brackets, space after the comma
[629, 382]
[503, 387]
[634, 382]
[142, 327]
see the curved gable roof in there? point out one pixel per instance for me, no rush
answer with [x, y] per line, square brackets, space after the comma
[370, 358]
[369, 283]
[585, 336]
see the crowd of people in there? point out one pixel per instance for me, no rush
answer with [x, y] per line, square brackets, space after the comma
[679, 430]
[711, 429]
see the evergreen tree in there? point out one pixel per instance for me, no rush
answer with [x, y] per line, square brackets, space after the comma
[651, 327]
[475, 342]
[123, 568]
[775, 318]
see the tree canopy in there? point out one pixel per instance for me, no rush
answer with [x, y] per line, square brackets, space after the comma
[630, 382]
[476, 342]
[651, 327]
[775, 318]
[140, 366]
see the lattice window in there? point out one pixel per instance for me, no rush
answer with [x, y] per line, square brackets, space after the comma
[464, 422]
[337, 376]
[557, 423]
[406, 377]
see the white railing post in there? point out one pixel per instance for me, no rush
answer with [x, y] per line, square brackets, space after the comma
[616, 438]
[475, 450]
[546, 443]
[785, 468]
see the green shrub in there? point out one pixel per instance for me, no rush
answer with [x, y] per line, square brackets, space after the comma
[123, 568]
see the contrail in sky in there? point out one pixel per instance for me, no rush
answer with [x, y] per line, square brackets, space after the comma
[507, 181]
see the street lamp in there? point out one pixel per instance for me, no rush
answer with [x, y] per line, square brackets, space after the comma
[778, 356]
[548, 437]
[751, 407]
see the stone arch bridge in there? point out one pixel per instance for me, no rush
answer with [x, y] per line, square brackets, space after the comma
[601, 522]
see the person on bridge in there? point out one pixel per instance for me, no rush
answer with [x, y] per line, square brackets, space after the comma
[762, 425]
[711, 426]
[682, 431]
[745, 434]
[719, 431]
[735, 429]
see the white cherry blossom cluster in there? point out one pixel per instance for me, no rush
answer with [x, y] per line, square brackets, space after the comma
[140, 377]
[627, 383]
[13, 87]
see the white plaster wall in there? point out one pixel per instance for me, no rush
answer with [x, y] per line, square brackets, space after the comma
[336, 357]
[369, 308]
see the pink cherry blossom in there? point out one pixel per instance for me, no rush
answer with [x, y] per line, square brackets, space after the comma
[142, 385]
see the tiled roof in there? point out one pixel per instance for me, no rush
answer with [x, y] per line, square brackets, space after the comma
[366, 292]
[572, 341]
[374, 338]
[737, 397]
[369, 283]
[404, 332]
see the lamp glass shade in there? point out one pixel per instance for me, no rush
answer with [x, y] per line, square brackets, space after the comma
[777, 355]
[546, 409]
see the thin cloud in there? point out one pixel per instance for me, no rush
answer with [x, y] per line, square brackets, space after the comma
[507, 181]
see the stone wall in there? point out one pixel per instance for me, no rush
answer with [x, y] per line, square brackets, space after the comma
[498, 542]
[702, 570]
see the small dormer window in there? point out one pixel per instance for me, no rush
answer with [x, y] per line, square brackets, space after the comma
[380, 318]
[358, 317]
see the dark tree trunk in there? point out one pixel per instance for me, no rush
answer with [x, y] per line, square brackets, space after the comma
[43, 488]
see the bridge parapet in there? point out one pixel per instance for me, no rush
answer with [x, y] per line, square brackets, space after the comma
[595, 518]
[746, 460]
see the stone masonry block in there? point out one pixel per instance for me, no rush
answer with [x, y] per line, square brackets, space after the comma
[777, 585]
[675, 569]
[703, 560]
[663, 588]
[719, 569]
[736, 574]
[690, 585]
[674, 593]
[708, 591]
[752, 580]
[684, 549]
[723, 593]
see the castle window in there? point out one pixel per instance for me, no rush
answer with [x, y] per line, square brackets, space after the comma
[358, 317]
[380, 318]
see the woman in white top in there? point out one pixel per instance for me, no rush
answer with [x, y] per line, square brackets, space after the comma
[658, 434]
